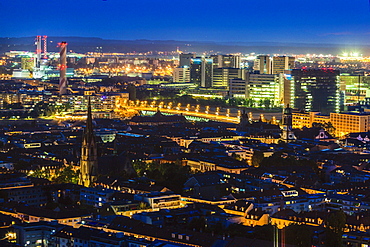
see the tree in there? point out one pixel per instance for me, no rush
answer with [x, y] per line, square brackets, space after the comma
[67, 175]
[298, 234]
[257, 158]
[334, 228]
[131, 89]
[329, 128]
[267, 103]
[140, 167]
[143, 205]
[198, 224]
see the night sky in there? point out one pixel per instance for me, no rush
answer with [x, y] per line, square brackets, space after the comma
[310, 21]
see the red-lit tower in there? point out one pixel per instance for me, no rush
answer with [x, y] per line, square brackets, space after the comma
[63, 68]
[44, 38]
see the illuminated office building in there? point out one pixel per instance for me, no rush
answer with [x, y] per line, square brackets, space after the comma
[226, 61]
[222, 76]
[263, 89]
[344, 122]
[238, 88]
[263, 64]
[356, 87]
[181, 74]
[282, 63]
[316, 90]
[201, 71]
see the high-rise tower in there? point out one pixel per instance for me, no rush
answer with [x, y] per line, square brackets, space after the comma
[38, 51]
[89, 156]
[63, 68]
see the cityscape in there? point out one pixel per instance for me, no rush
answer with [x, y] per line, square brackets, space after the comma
[174, 135]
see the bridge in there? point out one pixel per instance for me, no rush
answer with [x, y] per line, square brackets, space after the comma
[197, 112]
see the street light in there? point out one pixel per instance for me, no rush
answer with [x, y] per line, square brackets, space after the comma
[187, 107]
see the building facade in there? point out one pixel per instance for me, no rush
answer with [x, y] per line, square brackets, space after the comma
[316, 90]
[201, 71]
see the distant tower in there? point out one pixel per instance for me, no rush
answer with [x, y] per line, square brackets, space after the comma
[63, 68]
[288, 134]
[44, 38]
[89, 156]
[38, 51]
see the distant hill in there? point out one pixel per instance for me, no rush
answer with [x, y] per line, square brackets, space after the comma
[89, 44]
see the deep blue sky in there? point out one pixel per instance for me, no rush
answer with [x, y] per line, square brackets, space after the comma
[308, 21]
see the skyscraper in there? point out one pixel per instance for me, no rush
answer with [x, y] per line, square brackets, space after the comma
[316, 90]
[63, 68]
[201, 71]
[89, 155]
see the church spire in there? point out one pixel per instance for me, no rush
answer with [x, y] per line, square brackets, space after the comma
[89, 159]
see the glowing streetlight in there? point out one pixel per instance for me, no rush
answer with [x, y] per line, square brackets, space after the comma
[273, 120]
[217, 110]
[207, 109]
[197, 108]
[187, 107]
[250, 115]
[178, 106]
[227, 112]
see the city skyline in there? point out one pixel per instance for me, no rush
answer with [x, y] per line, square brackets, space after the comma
[240, 21]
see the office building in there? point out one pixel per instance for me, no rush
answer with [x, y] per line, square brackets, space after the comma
[344, 122]
[222, 76]
[356, 87]
[201, 71]
[238, 88]
[265, 89]
[282, 63]
[263, 64]
[226, 61]
[27, 63]
[181, 74]
[316, 90]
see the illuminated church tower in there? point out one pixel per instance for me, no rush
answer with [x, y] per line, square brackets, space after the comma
[89, 157]
[288, 134]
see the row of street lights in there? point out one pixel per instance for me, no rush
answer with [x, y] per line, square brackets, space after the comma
[178, 108]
